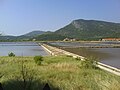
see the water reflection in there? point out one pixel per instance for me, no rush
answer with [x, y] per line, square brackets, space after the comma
[110, 56]
[21, 49]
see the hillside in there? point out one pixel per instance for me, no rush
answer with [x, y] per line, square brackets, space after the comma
[29, 35]
[90, 29]
[49, 37]
[34, 33]
[7, 38]
[24, 37]
[79, 29]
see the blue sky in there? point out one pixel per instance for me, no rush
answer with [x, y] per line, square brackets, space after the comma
[21, 16]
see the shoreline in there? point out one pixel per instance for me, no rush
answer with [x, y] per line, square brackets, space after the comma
[100, 65]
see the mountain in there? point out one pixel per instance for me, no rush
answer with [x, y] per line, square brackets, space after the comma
[24, 37]
[29, 35]
[7, 38]
[90, 30]
[78, 29]
[34, 33]
[49, 36]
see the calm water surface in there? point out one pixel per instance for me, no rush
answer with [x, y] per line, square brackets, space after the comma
[21, 49]
[110, 56]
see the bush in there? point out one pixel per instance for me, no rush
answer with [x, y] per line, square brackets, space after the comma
[11, 54]
[38, 59]
[90, 62]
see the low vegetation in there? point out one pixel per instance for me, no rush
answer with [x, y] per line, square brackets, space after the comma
[38, 60]
[11, 54]
[60, 72]
[90, 62]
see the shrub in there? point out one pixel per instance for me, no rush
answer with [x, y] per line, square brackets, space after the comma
[38, 59]
[69, 56]
[90, 62]
[1, 75]
[11, 54]
[79, 59]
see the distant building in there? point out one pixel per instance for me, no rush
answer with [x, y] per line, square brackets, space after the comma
[73, 39]
[111, 39]
[34, 40]
[67, 39]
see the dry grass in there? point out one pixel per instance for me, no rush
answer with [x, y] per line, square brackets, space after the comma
[62, 72]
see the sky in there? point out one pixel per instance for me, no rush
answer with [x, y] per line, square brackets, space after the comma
[18, 17]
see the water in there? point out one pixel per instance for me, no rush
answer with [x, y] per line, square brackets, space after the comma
[21, 49]
[109, 56]
[113, 56]
[86, 44]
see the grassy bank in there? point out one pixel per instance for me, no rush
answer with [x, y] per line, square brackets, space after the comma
[61, 72]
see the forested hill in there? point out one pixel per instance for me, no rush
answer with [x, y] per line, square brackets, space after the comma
[90, 29]
[78, 29]
[24, 37]
[34, 33]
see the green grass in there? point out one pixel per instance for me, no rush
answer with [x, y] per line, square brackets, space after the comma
[61, 72]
